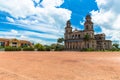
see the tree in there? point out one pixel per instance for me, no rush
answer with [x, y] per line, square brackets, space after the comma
[115, 45]
[47, 47]
[57, 47]
[87, 38]
[39, 47]
[53, 46]
[60, 40]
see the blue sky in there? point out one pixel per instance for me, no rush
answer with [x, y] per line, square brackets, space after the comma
[44, 20]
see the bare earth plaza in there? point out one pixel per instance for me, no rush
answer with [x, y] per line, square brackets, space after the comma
[59, 65]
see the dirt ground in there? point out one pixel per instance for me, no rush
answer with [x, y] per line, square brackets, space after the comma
[59, 65]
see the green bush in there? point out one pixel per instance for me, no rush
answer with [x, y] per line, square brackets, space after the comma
[42, 48]
[84, 49]
[47, 48]
[1, 47]
[39, 47]
[90, 49]
[28, 49]
[12, 48]
[87, 49]
[57, 47]
[115, 49]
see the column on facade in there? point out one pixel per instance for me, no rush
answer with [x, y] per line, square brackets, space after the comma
[71, 45]
[74, 46]
[67, 45]
[79, 45]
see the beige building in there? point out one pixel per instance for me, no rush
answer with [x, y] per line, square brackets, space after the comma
[82, 39]
[14, 42]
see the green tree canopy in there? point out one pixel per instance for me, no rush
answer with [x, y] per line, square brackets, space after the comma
[57, 47]
[38, 45]
[115, 45]
[60, 40]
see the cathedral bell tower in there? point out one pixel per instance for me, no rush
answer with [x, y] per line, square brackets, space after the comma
[68, 28]
[88, 25]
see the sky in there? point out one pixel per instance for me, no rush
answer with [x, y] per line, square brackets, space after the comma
[44, 21]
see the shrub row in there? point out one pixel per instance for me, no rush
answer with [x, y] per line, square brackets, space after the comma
[115, 49]
[28, 49]
[25, 49]
[12, 49]
[19, 49]
[87, 49]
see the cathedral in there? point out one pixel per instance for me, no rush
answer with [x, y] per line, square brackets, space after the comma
[85, 39]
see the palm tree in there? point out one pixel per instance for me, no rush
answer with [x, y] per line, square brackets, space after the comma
[86, 38]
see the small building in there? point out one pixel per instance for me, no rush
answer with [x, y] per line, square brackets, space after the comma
[14, 43]
[82, 39]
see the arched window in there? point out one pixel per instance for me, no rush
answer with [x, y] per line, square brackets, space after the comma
[87, 27]
[75, 36]
[72, 36]
[79, 36]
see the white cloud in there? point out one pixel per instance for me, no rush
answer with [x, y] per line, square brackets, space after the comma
[28, 35]
[108, 18]
[82, 23]
[10, 19]
[14, 31]
[18, 8]
[47, 18]
[24, 33]
[53, 3]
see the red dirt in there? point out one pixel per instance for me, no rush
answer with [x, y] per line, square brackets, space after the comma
[59, 65]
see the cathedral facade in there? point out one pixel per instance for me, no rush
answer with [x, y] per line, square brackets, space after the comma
[84, 39]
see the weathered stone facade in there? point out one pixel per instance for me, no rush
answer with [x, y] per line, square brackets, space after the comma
[82, 39]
